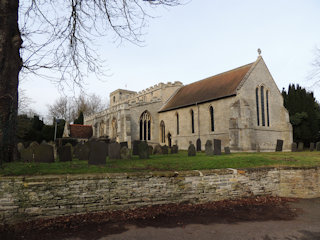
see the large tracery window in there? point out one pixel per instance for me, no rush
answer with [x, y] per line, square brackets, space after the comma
[212, 118]
[145, 126]
[163, 132]
[267, 100]
[262, 106]
[262, 102]
[257, 103]
[192, 121]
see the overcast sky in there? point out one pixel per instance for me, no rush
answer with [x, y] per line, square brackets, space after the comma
[204, 38]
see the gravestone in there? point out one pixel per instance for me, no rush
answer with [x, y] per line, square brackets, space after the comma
[300, 146]
[98, 153]
[143, 150]
[198, 143]
[311, 146]
[294, 147]
[208, 148]
[65, 153]
[318, 146]
[150, 149]
[157, 149]
[71, 147]
[191, 150]
[20, 146]
[165, 149]
[43, 154]
[174, 149]
[227, 150]
[279, 145]
[33, 145]
[26, 155]
[114, 150]
[135, 147]
[123, 144]
[125, 153]
[82, 151]
[217, 146]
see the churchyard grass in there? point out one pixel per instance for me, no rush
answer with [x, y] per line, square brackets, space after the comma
[174, 162]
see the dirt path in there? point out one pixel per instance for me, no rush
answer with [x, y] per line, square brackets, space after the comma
[256, 218]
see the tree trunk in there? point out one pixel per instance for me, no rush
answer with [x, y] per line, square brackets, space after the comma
[10, 65]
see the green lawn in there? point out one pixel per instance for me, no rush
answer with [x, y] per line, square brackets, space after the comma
[175, 162]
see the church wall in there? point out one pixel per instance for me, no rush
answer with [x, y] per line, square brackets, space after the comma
[280, 127]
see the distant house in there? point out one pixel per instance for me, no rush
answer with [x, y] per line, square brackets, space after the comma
[77, 131]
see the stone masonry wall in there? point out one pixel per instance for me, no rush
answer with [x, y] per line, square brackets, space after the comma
[26, 198]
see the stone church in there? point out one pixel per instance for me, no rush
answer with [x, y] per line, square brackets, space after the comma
[242, 107]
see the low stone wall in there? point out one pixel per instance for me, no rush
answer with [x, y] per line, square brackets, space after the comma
[26, 198]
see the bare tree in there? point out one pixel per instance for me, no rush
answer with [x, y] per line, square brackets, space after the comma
[315, 74]
[58, 35]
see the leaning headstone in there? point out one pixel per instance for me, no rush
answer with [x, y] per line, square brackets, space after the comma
[43, 154]
[98, 153]
[143, 150]
[198, 143]
[227, 150]
[191, 150]
[150, 149]
[114, 150]
[135, 147]
[300, 146]
[165, 149]
[208, 148]
[318, 146]
[82, 151]
[217, 146]
[123, 144]
[157, 149]
[279, 145]
[311, 147]
[294, 147]
[26, 155]
[125, 153]
[174, 149]
[65, 153]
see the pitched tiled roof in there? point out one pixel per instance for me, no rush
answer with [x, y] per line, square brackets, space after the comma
[212, 88]
[80, 131]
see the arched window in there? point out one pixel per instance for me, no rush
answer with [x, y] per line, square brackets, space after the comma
[262, 106]
[192, 121]
[257, 103]
[212, 118]
[163, 132]
[177, 115]
[145, 126]
[267, 100]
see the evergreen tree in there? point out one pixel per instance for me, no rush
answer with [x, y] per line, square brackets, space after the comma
[304, 113]
[79, 120]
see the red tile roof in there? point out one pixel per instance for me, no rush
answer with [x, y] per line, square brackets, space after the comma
[80, 131]
[212, 88]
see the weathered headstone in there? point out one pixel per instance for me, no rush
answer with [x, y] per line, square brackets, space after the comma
[217, 146]
[98, 153]
[135, 147]
[20, 146]
[150, 149]
[33, 145]
[43, 154]
[174, 149]
[191, 150]
[227, 150]
[71, 147]
[311, 146]
[318, 146]
[143, 150]
[165, 149]
[279, 145]
[123, 144]
[82, 151]
[157, 149]
[208, 148]
[26, 155]
[294, 147]
[300, 146]
[65, 153]
[198, 143]
[114, 150]
[125, 153]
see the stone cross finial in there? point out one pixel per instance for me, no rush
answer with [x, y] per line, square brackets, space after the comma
[259, 51]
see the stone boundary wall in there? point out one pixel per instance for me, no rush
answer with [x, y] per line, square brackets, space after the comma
[27, 198]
